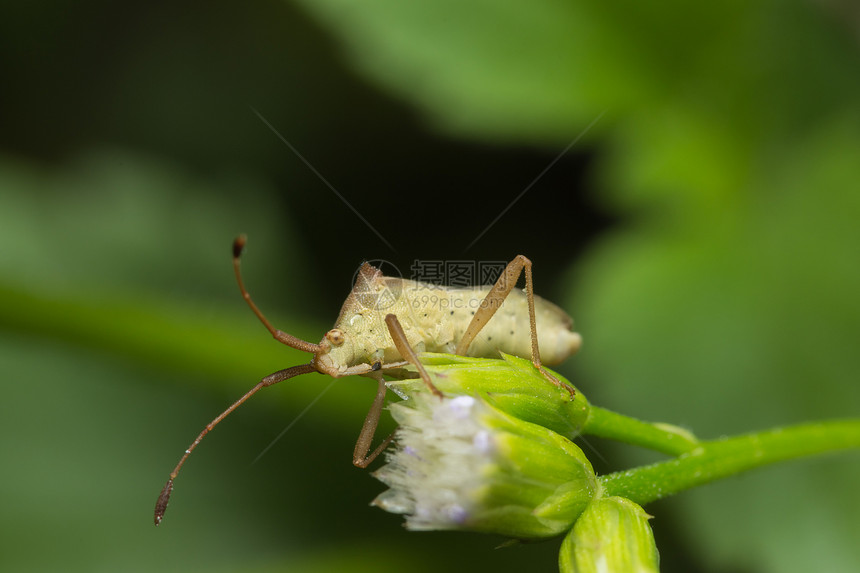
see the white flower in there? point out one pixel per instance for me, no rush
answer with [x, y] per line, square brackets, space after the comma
[462, 464]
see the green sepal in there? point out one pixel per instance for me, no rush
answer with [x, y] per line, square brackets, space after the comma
[540, 482]
[612, 534]
[512, 384]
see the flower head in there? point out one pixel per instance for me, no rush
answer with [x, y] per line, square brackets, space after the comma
[462, 463]
[612, 534]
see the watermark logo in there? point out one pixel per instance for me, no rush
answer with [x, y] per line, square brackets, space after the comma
[457, 273]
[381, 288]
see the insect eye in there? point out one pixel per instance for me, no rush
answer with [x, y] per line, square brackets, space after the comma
[335, 336]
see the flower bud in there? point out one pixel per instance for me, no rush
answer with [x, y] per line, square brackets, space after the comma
[612, 534]
[511, 384]
[461, 463]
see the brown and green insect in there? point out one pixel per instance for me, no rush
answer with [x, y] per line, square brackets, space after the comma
[386, 321]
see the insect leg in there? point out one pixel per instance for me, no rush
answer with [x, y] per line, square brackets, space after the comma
[494, 300]
[279, 376]
[406, 350]
[360, 458]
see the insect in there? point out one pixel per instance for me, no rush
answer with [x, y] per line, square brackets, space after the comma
[386, 321]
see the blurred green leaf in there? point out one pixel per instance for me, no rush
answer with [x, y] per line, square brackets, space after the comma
[130, 255]
[740, 317]
[110, 219]
[490, 68]
[726, 301]
[541, 72]
[722, 299]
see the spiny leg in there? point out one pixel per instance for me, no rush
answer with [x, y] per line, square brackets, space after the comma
[279, 376]
[493, 301]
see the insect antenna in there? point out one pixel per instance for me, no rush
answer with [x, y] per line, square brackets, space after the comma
[280, 335]
[279, 376]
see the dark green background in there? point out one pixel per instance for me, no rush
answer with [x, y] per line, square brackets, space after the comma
[703, 234]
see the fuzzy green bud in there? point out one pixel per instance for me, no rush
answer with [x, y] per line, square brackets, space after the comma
[612, 534]
[461, 463]
[511, 384]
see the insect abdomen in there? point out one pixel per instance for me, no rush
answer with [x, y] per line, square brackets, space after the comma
[441, 316]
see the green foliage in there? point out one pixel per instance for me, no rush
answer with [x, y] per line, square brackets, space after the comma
[723, 298]
[727, 298]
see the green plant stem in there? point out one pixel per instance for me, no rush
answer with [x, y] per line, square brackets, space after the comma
[660, 437]
[721, 458]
